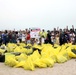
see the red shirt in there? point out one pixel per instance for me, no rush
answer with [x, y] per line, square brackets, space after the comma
[28, 37]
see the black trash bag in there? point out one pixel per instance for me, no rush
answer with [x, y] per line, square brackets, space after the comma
[2, 58]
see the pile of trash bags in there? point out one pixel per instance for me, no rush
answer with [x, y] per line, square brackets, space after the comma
[29, 57]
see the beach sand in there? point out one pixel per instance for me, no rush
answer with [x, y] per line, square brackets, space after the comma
[67, 68]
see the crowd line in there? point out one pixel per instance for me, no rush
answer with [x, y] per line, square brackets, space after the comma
[55, 36]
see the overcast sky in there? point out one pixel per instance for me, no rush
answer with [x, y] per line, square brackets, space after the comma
[47, 14]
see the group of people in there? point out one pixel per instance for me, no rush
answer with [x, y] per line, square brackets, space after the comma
[56, 36]
[61, 36]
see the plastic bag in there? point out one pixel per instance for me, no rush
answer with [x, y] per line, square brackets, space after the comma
[10, 60]
[11, 47]
[39, 63]
[29, 51]
[22, 44]
[35, 55]
[28, 65]
[20, 49]
[61, 59]
[48, 61]
[20, 64]
[21, 57]
[70, 52]
[2, 51]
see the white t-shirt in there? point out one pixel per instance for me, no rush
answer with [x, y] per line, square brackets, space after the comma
[23, 37]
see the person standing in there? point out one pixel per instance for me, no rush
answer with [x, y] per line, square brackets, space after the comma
[14, 37]
[28, 37]
[48, 38]
[0, 38]
[5, 37]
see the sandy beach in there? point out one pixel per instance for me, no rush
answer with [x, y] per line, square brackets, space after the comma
[67, 68]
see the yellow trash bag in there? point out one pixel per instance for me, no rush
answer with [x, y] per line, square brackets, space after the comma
[48, 61]
[37, 46]
[68, 44]
[20, 49]
[20, 64]
[28, 65]
[61, 58]
[10, 60]
[73, 47]
[2, 51]
[29, 51]
[17, 49]
[63, 47]
[39, 63]
[46, 52]
[49, 52]
[56, 45]
[54, 58]
[22, 44]
[11, 47]
[65, 54]
[49, 55]
[57, 50]
[29, 45]
[72, 53]
[43, 45]
[35, 55]
[21, 57]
